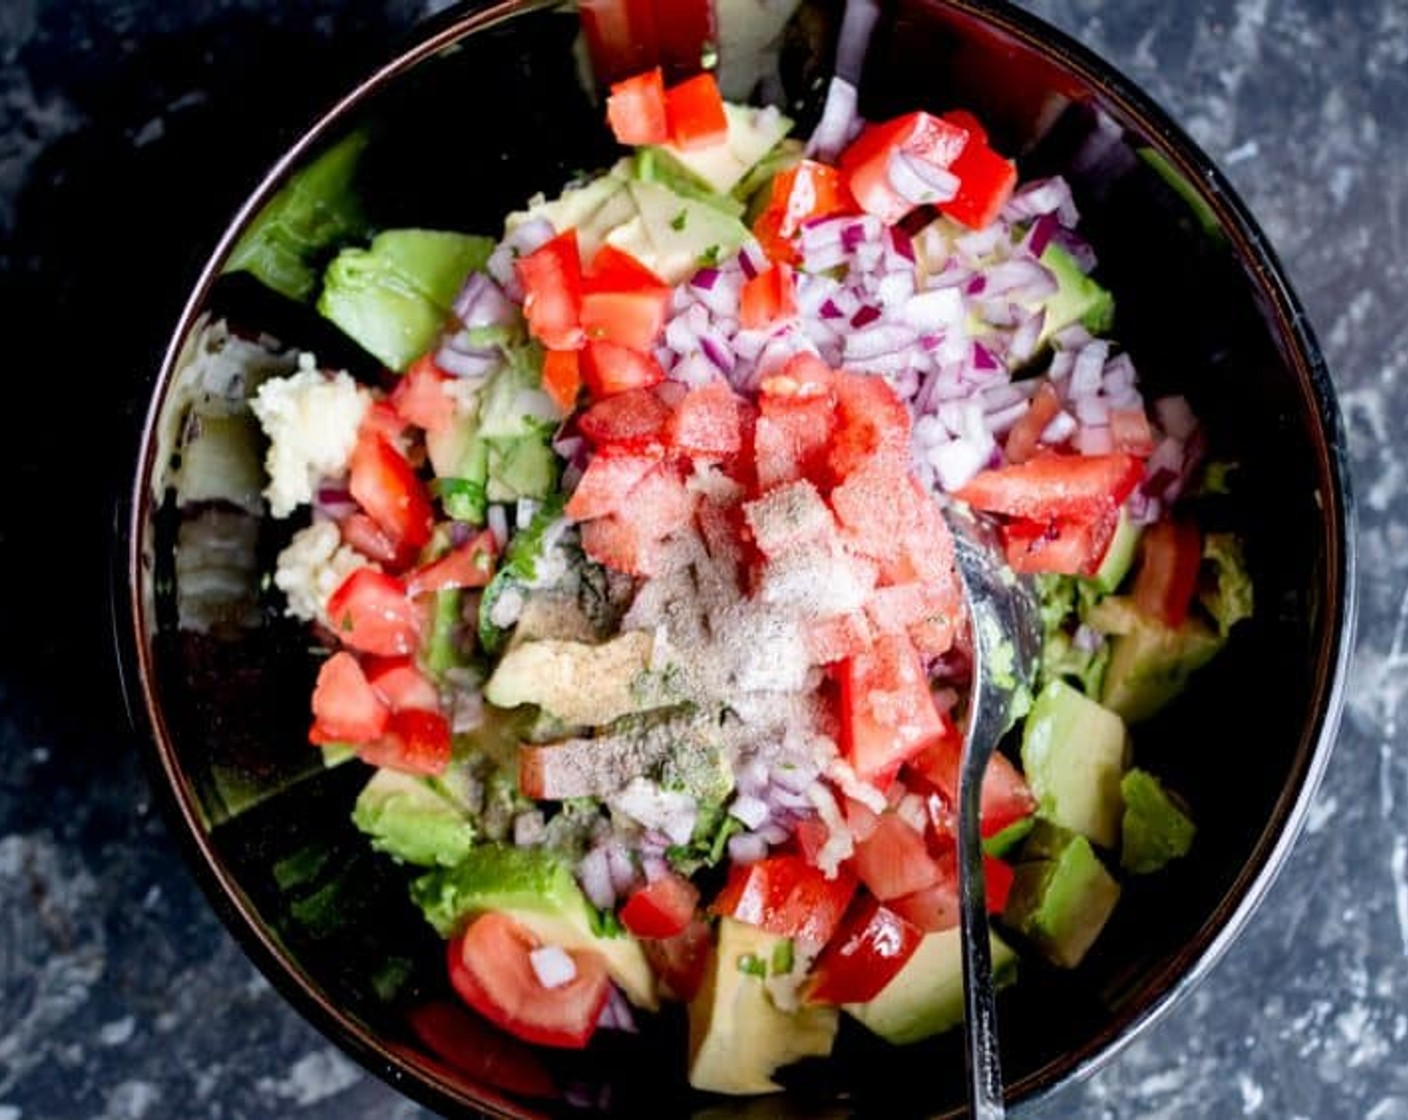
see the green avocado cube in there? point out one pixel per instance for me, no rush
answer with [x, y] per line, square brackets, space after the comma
[1155, 829]
[1061, 896]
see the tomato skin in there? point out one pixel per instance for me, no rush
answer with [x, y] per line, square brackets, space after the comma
[465, 1042]
[786, 895]
[346, 705]
[985, 183]
[416, 741]
[868, 950]
[662, 908]
[1054, 486]
[609, 368]
[931, 910]
[419, 396]
[470, 564]
[1171, 554]
[635, 109]
[620, 36]
[383, 482]
[629, 318]
[696, 112]
[360, 531]
[551, 276]
[491, 971]
[371, 612]
[684, 29]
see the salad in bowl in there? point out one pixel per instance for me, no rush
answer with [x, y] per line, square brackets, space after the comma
[631, 582]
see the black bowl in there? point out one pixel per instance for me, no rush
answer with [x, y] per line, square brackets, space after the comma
[1204, 308]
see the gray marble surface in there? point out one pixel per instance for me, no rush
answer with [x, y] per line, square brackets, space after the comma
[121, 996]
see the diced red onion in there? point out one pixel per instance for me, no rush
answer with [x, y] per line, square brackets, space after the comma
[978, 244]
[751, 261]
[902, 243]
[1119, 375]
[1041, 197]
[616, 1014]
[1087, 639]
[1026, 337]
[1061, 427]
[335, 501]
[1092, 410]
[482, 303]
[882, 338]
[838, 124]
[918, 182]
[752, 811]
[594, 875]
[497, 519]
[552, 966]
[746, 848]
[1175, 416]
[1040, 235]
[864, 317]
[705, 279]
[1089, 369]
[471, 365]
[622, 870]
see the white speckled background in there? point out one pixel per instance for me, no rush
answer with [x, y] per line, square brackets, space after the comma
[122, 997]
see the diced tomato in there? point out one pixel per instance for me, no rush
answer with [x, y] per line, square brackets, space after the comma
[1072, 546]
[1005, 797]
[696, 113]
[876, 510]
[416, 741]
[861, 819]
[401, 685]
[785, 895]
[419, 397]
[679, 962]
[803, 377]
[708, 422]
[767, 297]
[1130, 431]
[661, 908]
[985, 183]
[634, 419]
[383, 482]
[635, 109]
[792, 438]
[609, 367]
[1171, 554]
[935, 908]
[370, 611]
[1024, 437]
[660, 503]
[867, 952]
[895, 609]
[998, 877]
[837, 637]
[470, 564]
[865, 165]
[805, 191]
[551, 276]
[633, 319]
[384, 420]
[871, 422]
[620, 36]
[346, 708]
[894, 859]
[1051, 486]
[562, 378]
[491, 969]
[605, 484]
[685, 29]
[887, 710]
[361, 532]
[810, 834]
[617, 543]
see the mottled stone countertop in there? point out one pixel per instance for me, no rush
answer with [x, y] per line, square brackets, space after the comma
[126, 133]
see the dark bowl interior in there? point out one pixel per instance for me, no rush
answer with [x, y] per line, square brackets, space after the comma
[1203, 309]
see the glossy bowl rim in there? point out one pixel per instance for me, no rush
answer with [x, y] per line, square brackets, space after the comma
[1162, 990]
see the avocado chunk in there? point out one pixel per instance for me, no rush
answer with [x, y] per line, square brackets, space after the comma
[1077, 298]
[312, 215]
[582, 685]
[1061, 895]
[1150, 662]
[413, 820]
[393, 297]
[672, 235]
[1074, 752]
[738, 1038]
[752, 134]
[534, 886]
[1156, 828]
[1119, 556]
[925, 997]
